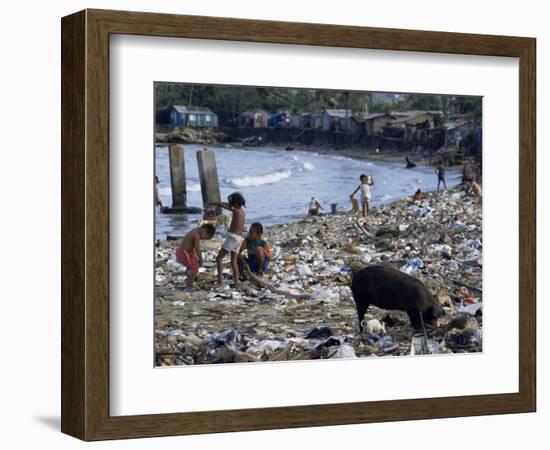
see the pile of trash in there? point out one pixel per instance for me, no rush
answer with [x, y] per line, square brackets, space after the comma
[303, 308]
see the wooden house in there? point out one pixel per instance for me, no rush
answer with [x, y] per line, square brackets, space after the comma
[372, 124]
[317, 120]
[193, 116]
[257, 118]
[414, 118]
[296, 120]
[337, 119]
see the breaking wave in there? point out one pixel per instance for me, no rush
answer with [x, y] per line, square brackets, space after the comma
[166, 191]
[308, 166]
[259, 180]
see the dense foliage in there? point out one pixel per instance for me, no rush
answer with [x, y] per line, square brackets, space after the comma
[231, 101]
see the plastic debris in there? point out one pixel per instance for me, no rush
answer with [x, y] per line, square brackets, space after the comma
[303, 307]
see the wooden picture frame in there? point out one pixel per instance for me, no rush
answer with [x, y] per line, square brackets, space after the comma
[85, 224]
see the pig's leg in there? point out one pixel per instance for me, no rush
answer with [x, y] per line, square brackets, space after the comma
[361, 310]
[414, 317]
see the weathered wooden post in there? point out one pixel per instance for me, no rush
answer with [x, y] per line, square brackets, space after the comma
[177, 177]
[208, 174]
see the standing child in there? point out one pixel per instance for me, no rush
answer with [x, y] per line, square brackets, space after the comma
[440, 171]
[259, 253]
[189, 251]
[364, 187]
[234, 237]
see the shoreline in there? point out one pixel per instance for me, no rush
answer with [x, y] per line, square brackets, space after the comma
[360, 154]
[353, 155]
[316, 256]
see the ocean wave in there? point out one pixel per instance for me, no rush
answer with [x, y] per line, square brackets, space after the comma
[166, 191]
[308, 166]
[259, 180]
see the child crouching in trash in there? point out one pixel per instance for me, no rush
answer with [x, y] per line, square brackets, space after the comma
[259, 253]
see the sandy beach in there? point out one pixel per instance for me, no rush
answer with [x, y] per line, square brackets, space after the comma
[304, 309]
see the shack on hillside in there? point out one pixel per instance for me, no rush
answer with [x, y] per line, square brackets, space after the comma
[372, 124]
[412, 118]
[193, 116]
[257, 118]
[337, 119]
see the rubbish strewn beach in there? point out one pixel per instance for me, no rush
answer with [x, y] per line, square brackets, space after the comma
[304, 309]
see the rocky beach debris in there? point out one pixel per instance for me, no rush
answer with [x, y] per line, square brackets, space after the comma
[188, 135]
[303, 308]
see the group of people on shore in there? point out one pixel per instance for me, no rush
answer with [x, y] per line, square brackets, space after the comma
[258, 251]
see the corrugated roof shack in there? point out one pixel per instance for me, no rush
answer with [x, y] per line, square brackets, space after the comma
[193, 116]
[337, 119]
[257, 118]
[280, 119]
[426, 118]
[372, 124]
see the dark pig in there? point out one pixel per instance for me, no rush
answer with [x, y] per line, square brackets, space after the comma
[391, 289]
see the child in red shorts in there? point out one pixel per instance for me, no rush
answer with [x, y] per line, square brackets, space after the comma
[189, 251]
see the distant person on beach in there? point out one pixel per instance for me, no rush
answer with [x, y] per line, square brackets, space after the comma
[234, 237]
[364, 187]
[158, 202]
[189, 251]
[259, 253]
[418, 195]
[314, 207]
[473, 188]
[410, 164]
[440, 171]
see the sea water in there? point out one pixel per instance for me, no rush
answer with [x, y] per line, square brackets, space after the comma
[278, 184]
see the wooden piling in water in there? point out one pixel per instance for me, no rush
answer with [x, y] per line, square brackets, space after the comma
[177, 176]
[208, 174]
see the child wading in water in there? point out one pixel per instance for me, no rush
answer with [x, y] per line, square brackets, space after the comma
[234, 237]
[259, 253]
[189, 251]
[364, 187]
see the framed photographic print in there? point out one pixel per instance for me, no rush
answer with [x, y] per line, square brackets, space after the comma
[273, 225]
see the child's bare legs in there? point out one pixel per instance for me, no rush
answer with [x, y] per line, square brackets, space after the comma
[219, 264]
[235, 267]
[260, 258]
[191, 277]
[365, 209]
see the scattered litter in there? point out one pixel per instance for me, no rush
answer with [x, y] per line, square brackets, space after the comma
[303, 308]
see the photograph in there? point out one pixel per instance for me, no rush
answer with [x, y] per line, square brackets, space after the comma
[295, 223]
